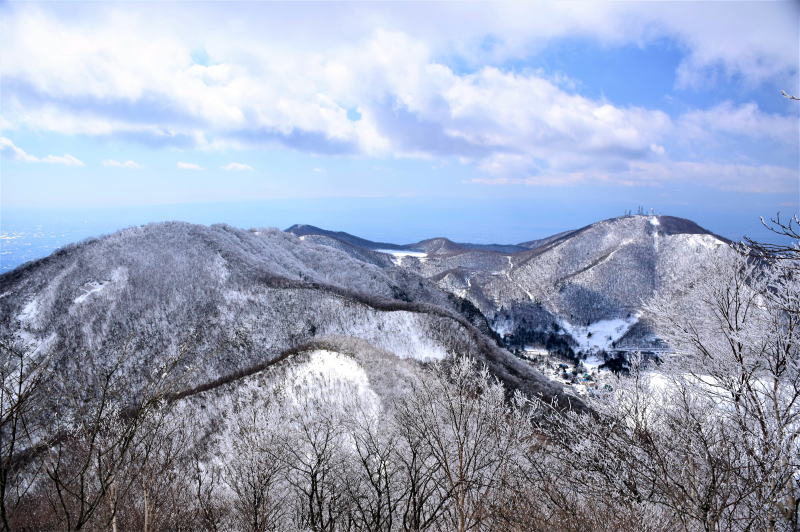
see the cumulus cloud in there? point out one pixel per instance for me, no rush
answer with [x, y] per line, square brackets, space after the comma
[411, 106]
[748, 40]
[237, 167]
[189, 166]
[11, 151]
[351, 89]
[120, 164]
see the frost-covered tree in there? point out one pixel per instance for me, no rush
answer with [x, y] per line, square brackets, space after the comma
[160, 497]
[256, 471]
[318, 462]
[208, 506]
[23, 376]
[736, 337]
[710, 439]
[100, 441]
[375, 487]
[461, 418]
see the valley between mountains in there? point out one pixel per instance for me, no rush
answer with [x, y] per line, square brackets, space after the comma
[181, 377]
[242, 297]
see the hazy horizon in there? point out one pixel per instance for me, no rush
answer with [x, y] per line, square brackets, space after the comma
[396, 121]
[29, 234]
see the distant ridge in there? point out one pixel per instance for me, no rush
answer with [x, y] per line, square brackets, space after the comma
[668, 225]
[242, 296]
[430, 245]
[310, 230]
[560, 289]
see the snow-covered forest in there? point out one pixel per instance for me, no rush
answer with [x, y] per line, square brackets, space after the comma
[400, 266]
[343, 435]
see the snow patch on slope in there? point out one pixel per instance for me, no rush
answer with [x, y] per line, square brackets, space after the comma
[29, 312]
[402, 333]
[397, 256]
[704, 241]
[331, 365]
[332, 375]
[599, 335]
[95, 287]
[92, 287]
[696, 242]
[503, 327]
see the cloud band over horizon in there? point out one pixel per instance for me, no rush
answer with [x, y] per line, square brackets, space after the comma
[386, 86]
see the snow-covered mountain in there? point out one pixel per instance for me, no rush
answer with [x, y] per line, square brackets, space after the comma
[232, 301]
[206, 337]
[578, 290]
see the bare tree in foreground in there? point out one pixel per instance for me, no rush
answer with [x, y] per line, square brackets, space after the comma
[461, 418]
[23, 376]
[708, 439]
[711, 441]
[256, 471]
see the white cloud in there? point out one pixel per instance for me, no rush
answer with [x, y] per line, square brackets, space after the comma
[120, 164]
[11, 151]
[755, 178]
[746, 39]
[65, 159]
[237, 167]
[408, 104]
[189, 166]
[745, 120]
[760, 179]
[349, 88]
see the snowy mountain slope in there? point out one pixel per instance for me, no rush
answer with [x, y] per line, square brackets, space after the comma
[357, 252]
[331, 367]
[539, 242]
[338, 379]
[229, 299]
[601, 272]
[310, 230]
[570, 281]
[323, 391]
[606, 270]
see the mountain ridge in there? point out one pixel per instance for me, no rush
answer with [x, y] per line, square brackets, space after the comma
[598, 273]
[255, 293]
[349, 238]
[240, 299]
[671, 225]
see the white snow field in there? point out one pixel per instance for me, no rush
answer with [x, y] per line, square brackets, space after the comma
[600, 334]
[398, 255]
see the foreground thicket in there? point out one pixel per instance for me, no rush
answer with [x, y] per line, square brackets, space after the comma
[708, 440]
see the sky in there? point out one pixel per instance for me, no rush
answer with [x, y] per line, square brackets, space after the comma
[398, 121]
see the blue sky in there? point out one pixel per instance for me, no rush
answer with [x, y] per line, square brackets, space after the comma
[400, 120]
